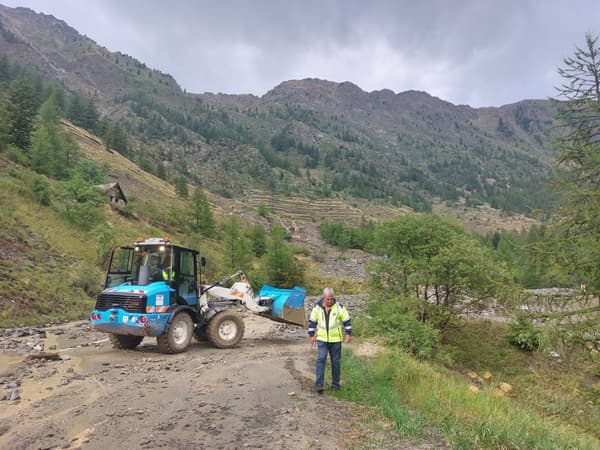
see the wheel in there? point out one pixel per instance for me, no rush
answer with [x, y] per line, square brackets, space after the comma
[178, 334]
[225, 329]
[123, 342]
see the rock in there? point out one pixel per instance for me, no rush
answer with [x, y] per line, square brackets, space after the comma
[44, 355]
[15, 394]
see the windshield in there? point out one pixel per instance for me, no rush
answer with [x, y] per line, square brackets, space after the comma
[152, 263]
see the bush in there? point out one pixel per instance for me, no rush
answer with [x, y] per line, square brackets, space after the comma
[524, 333]
[262, 210]
[17, 155]
[41, 191]
[402, 329]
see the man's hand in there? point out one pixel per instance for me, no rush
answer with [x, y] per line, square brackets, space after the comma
[348, 338]
[312, 340]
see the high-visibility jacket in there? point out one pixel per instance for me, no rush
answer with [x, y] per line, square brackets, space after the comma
[165, 275]
[329, 327]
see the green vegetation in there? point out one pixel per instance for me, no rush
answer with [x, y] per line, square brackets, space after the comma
[346, 236]
[56, 232]
[417, 395]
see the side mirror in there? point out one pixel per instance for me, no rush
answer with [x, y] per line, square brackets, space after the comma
[202, 261]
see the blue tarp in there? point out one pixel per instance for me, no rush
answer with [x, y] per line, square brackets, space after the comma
[290, 298]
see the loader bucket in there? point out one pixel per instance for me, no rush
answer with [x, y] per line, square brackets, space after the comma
[286, 305]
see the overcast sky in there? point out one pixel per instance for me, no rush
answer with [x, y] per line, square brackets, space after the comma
[476, 52]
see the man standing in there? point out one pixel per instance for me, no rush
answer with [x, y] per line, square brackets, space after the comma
[330, 321]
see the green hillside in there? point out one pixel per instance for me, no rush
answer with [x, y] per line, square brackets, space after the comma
[305, 138]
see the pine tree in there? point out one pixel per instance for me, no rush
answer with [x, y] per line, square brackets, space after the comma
[202, 217]
[258, 238]
[53, 152]
[22, 111]
[236, 255]
[181, 186]
[280, 267]
[574, 251]
[4, 116]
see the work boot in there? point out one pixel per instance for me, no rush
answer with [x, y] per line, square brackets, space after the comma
[319, 390]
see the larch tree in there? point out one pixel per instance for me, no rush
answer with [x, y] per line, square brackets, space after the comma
[573, 320]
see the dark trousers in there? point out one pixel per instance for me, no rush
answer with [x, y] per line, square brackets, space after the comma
[334, 349]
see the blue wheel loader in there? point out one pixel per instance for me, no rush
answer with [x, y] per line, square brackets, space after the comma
[152, 289]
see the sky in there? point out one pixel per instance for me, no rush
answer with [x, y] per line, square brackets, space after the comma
[475, 52]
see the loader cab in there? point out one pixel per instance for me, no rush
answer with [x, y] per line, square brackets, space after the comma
[156, 261]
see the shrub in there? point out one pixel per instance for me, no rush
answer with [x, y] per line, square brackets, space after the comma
[402, 329]
[262, 210]
[524, 333]
[41, 191]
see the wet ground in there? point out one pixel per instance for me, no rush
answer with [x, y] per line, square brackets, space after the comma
[83, 394]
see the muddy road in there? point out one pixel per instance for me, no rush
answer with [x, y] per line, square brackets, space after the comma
[258, 395]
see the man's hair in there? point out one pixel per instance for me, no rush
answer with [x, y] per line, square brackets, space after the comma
[328, 291]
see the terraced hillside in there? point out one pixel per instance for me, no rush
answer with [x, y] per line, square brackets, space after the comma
[307, 210]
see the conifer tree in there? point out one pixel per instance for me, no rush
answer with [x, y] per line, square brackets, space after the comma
[236, 255]
[22, 110]
[53, 152]
[181, 187]
[574, 250]
[281, 268]
[258, 238]
[4, 117]
[202, 217]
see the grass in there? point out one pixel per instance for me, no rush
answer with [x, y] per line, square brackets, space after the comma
[415, 394]
[566, 388]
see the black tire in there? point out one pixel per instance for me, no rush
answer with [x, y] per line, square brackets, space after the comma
[178, 334]
[124, 342]
[225, 329]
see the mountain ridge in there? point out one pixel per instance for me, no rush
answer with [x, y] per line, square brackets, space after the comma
[303, 137]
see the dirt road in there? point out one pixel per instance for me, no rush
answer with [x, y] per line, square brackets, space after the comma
[258, 395]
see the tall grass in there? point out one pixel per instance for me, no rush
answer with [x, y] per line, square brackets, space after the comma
[397, 384]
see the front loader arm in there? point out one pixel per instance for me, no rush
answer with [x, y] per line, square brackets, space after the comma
[240, 291]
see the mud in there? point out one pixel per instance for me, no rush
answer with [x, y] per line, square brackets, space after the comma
[257, 396]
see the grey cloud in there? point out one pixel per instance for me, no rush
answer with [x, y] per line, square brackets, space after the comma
[471, 51]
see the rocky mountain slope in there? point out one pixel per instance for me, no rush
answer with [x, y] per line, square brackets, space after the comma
[309, 138]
